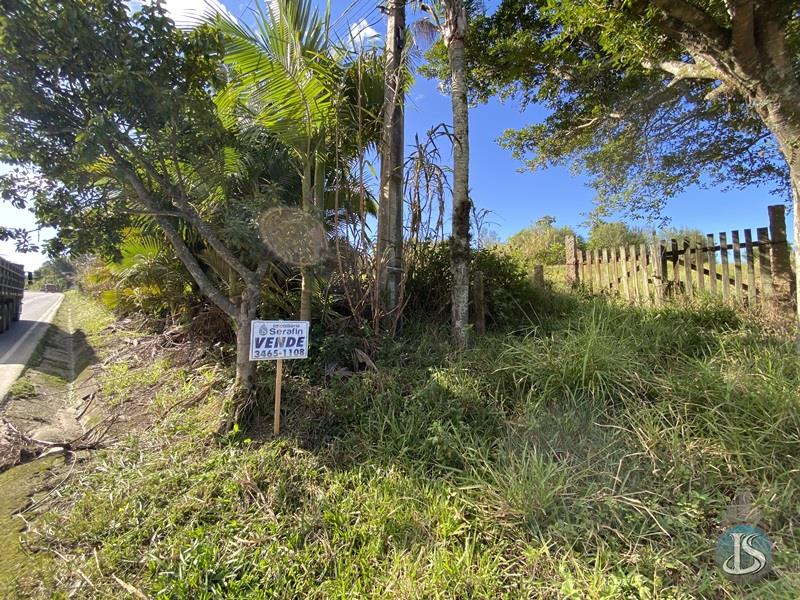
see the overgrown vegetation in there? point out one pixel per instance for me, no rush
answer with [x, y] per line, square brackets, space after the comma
[580, 449]
[510, 299]
[59, 272]
[541, 243]
[594, 458]
[80, 324]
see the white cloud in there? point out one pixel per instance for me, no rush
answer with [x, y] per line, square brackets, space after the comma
[363, 35]
[186, 13]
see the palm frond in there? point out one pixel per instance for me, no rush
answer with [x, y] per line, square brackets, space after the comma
[282, 72]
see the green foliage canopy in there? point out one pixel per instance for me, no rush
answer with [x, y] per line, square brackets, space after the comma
[110, 117]
[613, 234]
[681, 233]
[630, 105]
[540, 244]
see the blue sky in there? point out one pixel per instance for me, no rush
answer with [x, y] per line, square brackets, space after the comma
[515, 199]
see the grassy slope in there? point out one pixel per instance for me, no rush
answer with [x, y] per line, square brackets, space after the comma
[18, 483]
[591, 459]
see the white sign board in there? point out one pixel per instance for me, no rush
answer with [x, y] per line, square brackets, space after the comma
[271, 340]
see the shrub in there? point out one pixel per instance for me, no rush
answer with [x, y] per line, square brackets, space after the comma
[541, 243]
[511, 299]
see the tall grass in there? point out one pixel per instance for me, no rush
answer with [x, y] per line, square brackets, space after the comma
[591, 459]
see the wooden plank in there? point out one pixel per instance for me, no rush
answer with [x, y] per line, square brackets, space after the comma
[624, 264]
[598, 280]
[607, 269]
[614, 270]
[780, 260]
[634, 272]
[712, 264]
[662, 248]
[589, 271]
[687, 266]
[537, 277]
[570, 247]
[645, 280]
[751, 265]
[723, 258]
[676, 274]
[658, 270]
[700, 263]
[587, 268]
[764, 261]
[584, 257]
[276, 422]
[737, 265]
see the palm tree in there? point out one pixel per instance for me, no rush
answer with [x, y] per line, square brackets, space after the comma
[288, 78]
[449, 17]
[389, 251]
[285, 79]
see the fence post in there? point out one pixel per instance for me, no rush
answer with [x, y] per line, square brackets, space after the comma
[571, 248]
[538, 276]
[782, 277]
[659, 272]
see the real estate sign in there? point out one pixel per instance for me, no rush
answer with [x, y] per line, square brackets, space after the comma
[272, 340]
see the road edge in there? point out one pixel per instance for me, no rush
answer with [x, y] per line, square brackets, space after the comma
[36, 334]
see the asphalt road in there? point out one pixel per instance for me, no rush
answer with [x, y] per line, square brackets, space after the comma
[18, 343]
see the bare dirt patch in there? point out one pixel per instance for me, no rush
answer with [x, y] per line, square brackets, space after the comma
[90, 381]
[48, 402]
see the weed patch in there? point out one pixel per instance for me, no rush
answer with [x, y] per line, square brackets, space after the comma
[592, 459]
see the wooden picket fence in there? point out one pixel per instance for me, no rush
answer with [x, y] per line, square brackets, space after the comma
[741, 268]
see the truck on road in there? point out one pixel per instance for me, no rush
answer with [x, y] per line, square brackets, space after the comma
[12, 285]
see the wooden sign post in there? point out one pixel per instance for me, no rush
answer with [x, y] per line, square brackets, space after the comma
[278, 340]
[276, 427]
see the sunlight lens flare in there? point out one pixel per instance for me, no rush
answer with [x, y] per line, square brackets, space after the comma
[294, 236]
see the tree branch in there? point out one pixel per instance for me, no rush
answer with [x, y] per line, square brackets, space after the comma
[684, 70]
[190, 214]
[743, 38]
[181, 250]
[721, 90]
[696, 18]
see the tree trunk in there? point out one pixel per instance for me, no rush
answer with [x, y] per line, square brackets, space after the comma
[390, 207]
[459, 258]
[781, 115]
[796, 236]
[753, 58]
[306, 272]
[240, 405]
[794, 172]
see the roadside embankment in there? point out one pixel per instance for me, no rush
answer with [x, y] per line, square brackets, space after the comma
[79, 392]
